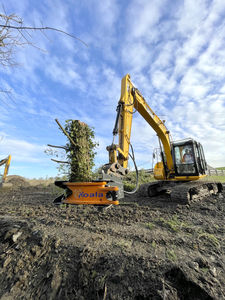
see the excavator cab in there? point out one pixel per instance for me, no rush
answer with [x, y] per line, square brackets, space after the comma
[188, 157]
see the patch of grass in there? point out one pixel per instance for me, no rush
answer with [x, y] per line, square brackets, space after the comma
[205, 270]
[154, 245]
[124, 244]
[171, 255]
[63, 206]
[149, 225]
[93, 274]
[41, 181]
[130, 180]
[210, 238]
[129, 186]
[174, 224]
[220, 178]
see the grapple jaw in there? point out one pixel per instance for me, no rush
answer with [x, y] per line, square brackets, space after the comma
[96, 192]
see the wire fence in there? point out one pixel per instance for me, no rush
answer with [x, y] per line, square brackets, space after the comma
[216, 172]
[210, 172]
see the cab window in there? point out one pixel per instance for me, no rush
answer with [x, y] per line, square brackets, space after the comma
[184, 159]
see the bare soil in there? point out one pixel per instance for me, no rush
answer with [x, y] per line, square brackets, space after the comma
[141, 249]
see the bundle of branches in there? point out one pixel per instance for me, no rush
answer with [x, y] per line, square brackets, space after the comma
[80, 150]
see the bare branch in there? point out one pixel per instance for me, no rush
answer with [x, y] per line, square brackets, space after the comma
[64, 131]
[59, 161]
[61, 147]
[42, 28]
[13, 34]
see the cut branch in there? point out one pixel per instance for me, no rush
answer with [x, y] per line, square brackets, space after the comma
[60, 147]
[60, 161]
[64, 131]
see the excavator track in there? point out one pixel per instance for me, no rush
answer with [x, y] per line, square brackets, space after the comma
[195, 191]
[181, 192]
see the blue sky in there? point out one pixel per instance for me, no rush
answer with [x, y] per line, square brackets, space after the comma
[173, 50]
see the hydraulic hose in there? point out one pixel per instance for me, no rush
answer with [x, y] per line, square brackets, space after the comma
[136, 169]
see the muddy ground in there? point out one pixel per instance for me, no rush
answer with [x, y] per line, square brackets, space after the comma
[139, 250]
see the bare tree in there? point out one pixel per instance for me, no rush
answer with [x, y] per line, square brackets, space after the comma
[14, 34]
[9, 39]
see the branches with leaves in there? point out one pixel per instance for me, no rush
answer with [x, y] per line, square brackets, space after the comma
[79, 151]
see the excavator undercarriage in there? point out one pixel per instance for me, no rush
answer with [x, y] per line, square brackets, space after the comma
[181, 192]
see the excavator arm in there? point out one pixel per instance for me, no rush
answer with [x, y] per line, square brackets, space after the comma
[6, 161]
[131, 99]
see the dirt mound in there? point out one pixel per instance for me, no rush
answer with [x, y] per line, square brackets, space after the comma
[16, 181]
[139, 250]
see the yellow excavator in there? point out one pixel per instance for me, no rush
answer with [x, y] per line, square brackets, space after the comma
[6, 161]
[178, 173]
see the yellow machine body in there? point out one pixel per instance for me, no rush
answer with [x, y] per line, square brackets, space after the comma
[159, 171]
[131, 99]
[97, 193]
[6, 162]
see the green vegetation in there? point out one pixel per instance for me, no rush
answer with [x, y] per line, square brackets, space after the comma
[150, 225]
[154, 245]
[210, 239]
[78, 160]
[174, 224]
[171, 255]
[221, 168]
[220, 178]
[124, 244]
[80, 153]
[130, 180]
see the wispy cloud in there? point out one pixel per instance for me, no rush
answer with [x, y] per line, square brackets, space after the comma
[21, 150]
[173, 50]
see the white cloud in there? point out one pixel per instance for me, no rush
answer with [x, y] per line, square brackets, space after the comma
[22, 151]
[165, 56]
[161, 81]
[194, 85]
[191, 16]
[143, 16]
[64, 71]
[136, 56]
